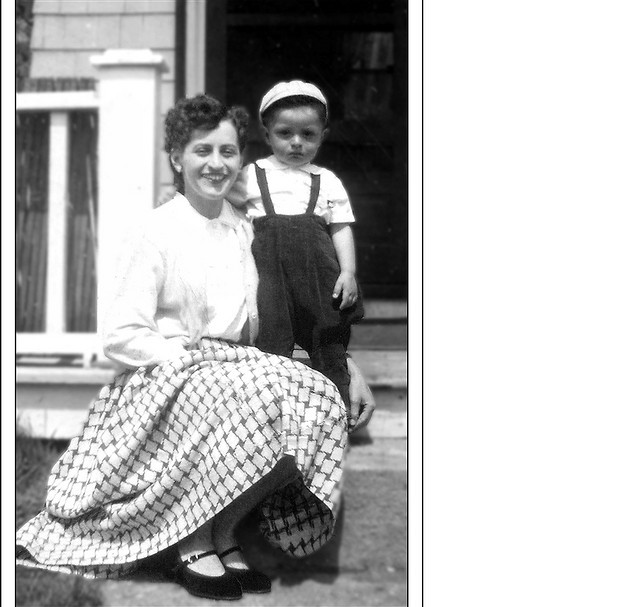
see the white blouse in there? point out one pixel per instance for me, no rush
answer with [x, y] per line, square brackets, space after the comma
[180, 256]
[290, 188]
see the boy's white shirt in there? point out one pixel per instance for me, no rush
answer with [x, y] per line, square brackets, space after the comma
[171, 253]
[290, 189]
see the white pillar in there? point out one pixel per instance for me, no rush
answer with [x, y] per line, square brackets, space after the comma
[129, 115]
[57, 223]
[195, 51]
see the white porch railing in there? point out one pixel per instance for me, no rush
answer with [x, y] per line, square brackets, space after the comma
[127, 103]
[55, 339]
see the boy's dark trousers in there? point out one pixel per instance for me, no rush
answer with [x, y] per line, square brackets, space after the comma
[297, 271]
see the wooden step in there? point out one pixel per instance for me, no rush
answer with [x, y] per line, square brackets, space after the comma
[52, 400]
[378, 336]
[385, 309]
[384, 326]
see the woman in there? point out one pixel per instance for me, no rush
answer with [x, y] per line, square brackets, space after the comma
[200, 428]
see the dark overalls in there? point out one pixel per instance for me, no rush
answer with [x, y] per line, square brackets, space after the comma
[297, 270]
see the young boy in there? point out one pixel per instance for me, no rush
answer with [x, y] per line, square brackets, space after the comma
[303, 246]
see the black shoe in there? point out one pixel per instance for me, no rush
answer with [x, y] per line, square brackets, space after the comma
[251, 581]
[224, 586]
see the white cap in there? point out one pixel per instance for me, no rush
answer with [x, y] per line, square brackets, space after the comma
[291, 89]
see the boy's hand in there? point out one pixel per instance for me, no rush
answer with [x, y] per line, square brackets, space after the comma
[346, 284]
[237, 195]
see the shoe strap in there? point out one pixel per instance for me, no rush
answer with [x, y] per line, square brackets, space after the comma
[197, 557]
[221, 555]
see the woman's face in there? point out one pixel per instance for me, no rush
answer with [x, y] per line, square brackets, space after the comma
[210, 163]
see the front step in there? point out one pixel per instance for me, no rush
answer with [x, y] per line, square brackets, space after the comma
[51, 402]
[58, 410]
[384, 326]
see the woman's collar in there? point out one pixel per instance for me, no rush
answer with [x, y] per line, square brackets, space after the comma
[227, 215]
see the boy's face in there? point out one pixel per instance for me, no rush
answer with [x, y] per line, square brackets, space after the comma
[295, 135]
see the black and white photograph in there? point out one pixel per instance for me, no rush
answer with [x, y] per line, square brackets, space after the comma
[211, 302]
[412, 379]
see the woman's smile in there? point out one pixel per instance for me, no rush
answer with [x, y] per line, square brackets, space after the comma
[214, 178]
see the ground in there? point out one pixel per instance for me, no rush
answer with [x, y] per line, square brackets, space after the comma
[365, 564]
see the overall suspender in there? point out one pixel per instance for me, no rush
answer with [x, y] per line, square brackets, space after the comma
[313, 197]
[266, 196]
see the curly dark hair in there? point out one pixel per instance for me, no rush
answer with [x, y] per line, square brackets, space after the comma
[200, 112]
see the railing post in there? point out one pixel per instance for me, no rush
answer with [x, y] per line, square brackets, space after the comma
[55, 319]
[195, 40]
[129, 112]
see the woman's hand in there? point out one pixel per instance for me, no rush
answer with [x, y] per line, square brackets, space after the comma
[346, 284]
[362, 401]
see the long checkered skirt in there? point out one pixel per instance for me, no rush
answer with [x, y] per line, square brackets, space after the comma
[166, 448]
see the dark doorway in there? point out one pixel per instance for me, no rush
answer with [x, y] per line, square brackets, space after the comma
[357, 53]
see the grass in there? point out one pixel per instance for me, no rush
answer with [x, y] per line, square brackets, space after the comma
[35, 587]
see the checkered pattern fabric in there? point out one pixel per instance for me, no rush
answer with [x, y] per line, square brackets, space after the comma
[165, 448]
